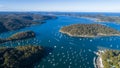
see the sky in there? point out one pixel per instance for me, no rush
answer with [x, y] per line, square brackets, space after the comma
[61, 5]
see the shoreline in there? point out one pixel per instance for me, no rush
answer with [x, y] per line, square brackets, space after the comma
[94, 62]
[98, 60]
[94, 19]
[98, 20]
[89, 36]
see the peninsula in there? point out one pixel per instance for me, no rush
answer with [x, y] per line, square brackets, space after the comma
[20, 56]
[95, 17]
[19, 36]
[15, 21]
[108, 59]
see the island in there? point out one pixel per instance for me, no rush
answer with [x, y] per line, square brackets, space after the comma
[19, 36]
[20, 56]
[89, 30]
[108, 59]
[14, 21]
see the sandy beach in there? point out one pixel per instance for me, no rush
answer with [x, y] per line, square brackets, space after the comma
[98, 60]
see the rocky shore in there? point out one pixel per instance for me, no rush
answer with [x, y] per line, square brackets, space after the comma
[89, 36]
[67, 33]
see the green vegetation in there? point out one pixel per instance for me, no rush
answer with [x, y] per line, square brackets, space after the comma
[111, 59]
[22, 35]
[89, 30]
[19, 36]
[15, 21]
[95, 17]
[103, 18]
[20, 57]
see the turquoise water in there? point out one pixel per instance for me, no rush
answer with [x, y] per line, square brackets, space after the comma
[67, 52]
